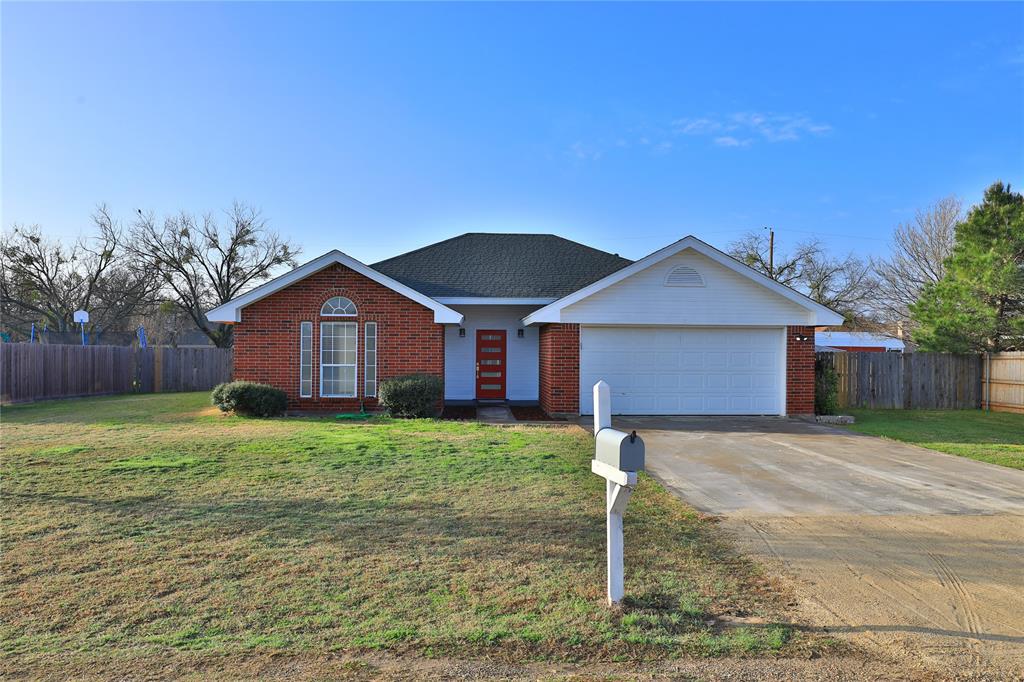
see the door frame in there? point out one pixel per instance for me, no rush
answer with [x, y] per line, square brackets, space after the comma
[484, 394]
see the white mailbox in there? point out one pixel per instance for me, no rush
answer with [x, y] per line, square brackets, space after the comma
[618, 456]
[624, 451]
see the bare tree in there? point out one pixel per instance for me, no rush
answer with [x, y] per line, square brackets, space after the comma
[44, 281]
[846, 285]
[203, 265]
[919, 252]
[752, 249]
[843, 284]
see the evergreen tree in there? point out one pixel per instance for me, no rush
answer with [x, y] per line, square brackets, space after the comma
[979, 304]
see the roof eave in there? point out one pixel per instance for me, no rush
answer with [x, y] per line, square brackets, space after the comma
[231, 312]
[553, 311]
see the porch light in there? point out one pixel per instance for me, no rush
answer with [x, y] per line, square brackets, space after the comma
[520, 333]
[802, 337]
[462, 332]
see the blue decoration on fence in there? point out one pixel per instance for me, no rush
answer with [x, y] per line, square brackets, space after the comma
[142, 336]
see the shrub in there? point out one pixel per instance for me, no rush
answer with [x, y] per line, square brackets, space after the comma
[250, 399]
[412, 395]
[826, 388]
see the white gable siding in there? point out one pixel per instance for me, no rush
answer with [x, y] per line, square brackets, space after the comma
[460, 352]
[727, 298]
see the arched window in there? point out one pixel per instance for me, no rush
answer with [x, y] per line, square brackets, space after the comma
[683, 276]
[339, 306]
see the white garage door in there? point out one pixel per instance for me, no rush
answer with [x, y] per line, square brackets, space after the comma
[684, 370]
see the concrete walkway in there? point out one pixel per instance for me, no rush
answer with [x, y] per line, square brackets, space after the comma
[495, 414]
[918, 553]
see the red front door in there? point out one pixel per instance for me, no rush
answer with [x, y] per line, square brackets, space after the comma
[491, 369]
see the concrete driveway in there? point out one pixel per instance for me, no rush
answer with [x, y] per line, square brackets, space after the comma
[918, 553]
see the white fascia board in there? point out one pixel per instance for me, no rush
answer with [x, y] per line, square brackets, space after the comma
[231, 311]
[553, 311]
[488, 300]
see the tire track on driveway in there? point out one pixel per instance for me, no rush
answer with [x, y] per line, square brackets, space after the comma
[917, 554]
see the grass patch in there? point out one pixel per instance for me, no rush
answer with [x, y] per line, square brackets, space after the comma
[146, 524]
[153, 462]
[993, 437]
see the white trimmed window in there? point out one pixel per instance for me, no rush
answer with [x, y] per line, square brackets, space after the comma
[305, 359]
[339, 306]
[338, 353]
[370, 359]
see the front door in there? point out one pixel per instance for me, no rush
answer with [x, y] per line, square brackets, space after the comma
[490, 364]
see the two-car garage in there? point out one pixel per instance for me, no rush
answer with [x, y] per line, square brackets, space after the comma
[686, 330]
[685, 370]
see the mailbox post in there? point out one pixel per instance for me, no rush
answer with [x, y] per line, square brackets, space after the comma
[618, 457]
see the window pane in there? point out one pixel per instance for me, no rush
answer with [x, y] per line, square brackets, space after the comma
[338, 350]
[347, 380]
[339, 305]
[370, 361]
[305, 359]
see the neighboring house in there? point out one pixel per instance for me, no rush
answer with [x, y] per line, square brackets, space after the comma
[857, 341]
[537, 319]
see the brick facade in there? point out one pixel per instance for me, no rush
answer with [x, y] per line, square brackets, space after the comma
[560, 369]
[799, 371]
[267, 338]
[408, 340]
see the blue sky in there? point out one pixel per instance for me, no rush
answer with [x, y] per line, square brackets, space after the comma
[379, 128]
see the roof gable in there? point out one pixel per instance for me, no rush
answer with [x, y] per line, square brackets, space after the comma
[231, 311]
[819, 314]
[489, 265]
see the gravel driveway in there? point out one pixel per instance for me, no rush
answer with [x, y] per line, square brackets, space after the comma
[918, 553]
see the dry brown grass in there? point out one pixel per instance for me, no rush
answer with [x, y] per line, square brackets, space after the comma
[141, 526]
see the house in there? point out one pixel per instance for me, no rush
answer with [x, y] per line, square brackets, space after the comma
[537, 319]
[865, 342]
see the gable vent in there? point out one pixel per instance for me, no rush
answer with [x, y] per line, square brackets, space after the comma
[684, 276]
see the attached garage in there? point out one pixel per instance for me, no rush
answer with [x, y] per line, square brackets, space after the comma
[686, 330]
[685, 370]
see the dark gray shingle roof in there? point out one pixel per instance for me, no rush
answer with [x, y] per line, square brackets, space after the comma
[505, 265]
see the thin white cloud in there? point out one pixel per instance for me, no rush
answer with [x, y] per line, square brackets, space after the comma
[732, 131]
[697, 126]
[730, 141]
[742, 128]
[585, 152]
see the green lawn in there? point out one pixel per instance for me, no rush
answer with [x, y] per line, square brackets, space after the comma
[141, 527]
[995, 437]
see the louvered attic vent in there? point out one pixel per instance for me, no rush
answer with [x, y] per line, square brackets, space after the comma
[683, 276]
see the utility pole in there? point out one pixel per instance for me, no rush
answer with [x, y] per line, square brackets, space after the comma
[771, 252]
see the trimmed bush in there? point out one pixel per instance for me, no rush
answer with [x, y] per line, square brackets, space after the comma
[412, 395]
[826, 388]
[249, 399]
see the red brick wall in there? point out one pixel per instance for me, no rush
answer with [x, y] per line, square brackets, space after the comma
[267, 338]
[799, 371]
[560, 368]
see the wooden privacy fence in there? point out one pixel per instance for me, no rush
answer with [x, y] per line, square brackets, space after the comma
[1003, 382]
[907, 380]
[42, 371]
